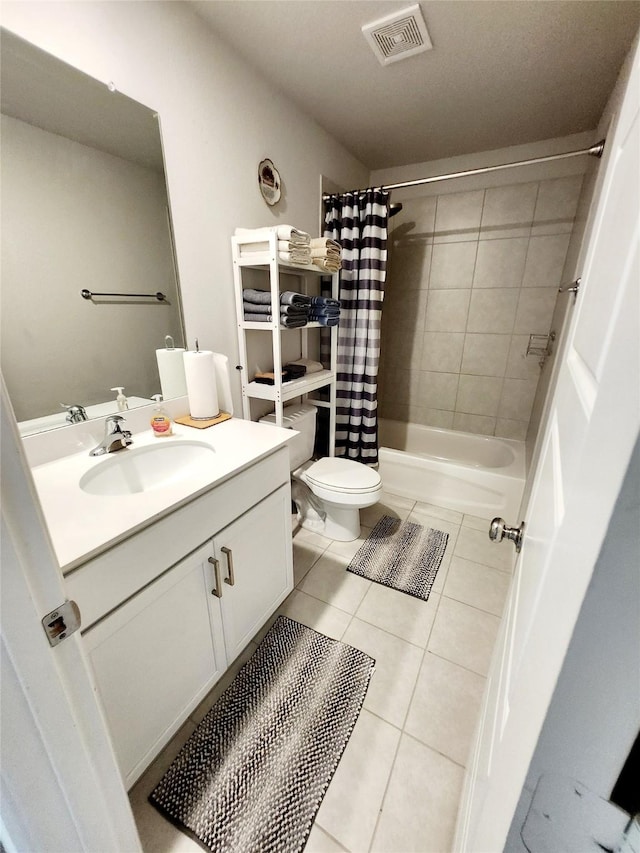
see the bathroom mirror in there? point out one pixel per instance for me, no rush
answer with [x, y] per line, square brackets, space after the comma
[84, 207]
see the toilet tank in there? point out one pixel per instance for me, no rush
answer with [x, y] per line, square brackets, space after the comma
[301, 418]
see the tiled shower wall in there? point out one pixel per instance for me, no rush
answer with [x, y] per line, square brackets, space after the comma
[471, 275]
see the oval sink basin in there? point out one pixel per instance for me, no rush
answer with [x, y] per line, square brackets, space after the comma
[143, 469]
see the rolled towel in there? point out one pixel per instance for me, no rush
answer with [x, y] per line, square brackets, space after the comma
[311, 366]
[326, 321]
[325, 302]
[325, 243]
[290, 297]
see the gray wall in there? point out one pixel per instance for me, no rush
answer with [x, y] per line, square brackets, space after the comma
[219, 119]
[73, 218]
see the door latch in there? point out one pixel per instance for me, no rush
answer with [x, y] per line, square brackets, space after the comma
[61, 622]
[499, 531]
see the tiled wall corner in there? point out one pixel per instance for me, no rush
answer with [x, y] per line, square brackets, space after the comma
[471, 275]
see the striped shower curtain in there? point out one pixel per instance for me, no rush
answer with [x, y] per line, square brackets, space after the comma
[358, 221]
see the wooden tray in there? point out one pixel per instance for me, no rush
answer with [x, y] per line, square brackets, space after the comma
[199, 423]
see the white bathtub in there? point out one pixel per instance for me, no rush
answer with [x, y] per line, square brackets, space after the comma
[474, 474]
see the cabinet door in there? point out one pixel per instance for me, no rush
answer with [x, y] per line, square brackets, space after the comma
[256, 568]
[155, 658]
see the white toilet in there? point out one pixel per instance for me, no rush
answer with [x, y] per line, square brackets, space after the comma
[329, 493]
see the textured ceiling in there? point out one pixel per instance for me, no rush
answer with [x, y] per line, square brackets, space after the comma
[501, 72]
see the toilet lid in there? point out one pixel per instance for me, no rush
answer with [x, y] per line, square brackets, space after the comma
[343, 475]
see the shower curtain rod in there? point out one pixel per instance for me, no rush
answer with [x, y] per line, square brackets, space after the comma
[595, 151]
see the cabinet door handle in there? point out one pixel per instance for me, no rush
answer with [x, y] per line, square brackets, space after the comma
[216, 571]
[229, 554]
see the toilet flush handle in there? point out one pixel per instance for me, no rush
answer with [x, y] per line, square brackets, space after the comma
[499, 531]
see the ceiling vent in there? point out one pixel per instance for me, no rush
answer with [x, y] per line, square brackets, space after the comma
[398, 36]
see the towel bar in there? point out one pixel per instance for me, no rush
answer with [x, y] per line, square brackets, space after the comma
[87, 294]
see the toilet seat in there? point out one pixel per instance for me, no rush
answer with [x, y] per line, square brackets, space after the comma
[342, 476]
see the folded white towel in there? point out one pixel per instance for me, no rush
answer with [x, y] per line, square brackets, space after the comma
[289, 246]
[299, 258]
[284, 232]
[325, 243]
[328, 264]
[325, 253]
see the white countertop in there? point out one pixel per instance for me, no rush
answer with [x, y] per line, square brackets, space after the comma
[82, 525]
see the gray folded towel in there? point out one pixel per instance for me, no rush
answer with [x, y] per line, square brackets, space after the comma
[261, 297]
[257, 318]
[293, 322]
[325, 302]
[324, 312]
[289, 297]
[290, 322]
[257, 308]
[325, 321]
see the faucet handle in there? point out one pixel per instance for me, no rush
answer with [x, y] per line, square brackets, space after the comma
[75, 412]
[114, 420]
[112, 426]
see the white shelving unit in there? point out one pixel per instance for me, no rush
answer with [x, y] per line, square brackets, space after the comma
[263, 255]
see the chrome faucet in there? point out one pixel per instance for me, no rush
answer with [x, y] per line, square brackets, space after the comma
[115, 438]
[76, 412]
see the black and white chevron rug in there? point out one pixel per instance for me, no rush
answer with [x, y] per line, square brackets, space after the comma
[404, 556]
[251, 778]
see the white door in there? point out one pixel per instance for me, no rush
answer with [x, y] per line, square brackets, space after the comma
[60, 787]
[594, 419]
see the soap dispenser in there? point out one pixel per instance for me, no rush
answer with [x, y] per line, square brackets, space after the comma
[160, 421]
[121, 400]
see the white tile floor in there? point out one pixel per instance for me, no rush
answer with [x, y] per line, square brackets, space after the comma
[398, 784]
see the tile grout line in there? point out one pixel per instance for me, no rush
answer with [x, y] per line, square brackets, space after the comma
[402, 730]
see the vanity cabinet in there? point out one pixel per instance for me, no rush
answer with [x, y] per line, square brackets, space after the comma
[253, 557]
[157, 653]
[155, 658]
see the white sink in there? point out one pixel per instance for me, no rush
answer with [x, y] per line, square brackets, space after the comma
[144, 469]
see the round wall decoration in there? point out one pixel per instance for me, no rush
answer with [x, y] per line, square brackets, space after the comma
[269, 182]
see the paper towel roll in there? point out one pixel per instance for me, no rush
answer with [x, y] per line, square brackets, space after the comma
[171, 370]
[199, 371]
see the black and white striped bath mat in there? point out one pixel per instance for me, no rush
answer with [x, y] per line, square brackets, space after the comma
[251, 778]
[404, 556]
